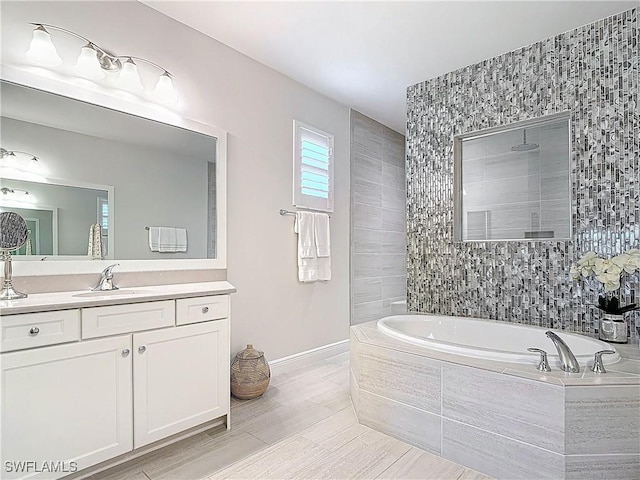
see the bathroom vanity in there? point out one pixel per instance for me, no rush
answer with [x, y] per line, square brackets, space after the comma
[89, 376]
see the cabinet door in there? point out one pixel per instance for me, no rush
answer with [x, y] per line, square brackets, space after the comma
[65, 403]
[181, 379]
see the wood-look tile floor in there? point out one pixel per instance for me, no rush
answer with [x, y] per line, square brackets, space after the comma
[302, 427]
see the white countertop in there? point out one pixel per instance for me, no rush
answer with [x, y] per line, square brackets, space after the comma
[44, 302]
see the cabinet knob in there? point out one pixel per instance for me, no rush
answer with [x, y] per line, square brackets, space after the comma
[34, 331]
[126, 352]
[205, 309]
[142, 349]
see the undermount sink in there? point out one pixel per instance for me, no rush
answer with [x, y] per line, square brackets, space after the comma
[104, 293]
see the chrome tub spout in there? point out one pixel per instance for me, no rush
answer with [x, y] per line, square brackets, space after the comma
[568, 362]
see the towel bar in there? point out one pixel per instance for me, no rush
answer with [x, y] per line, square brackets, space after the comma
[287, 212]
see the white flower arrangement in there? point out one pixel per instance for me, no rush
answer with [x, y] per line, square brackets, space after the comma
[608, 272]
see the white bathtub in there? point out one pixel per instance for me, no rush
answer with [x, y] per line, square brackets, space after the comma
[491, 340]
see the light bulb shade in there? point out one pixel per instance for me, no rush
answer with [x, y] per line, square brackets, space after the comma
[129, 78]
[88, 65]
[41, 49]
[164, 91]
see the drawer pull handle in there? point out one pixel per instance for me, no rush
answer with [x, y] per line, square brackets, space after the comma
[205, 309]
[142, 349]
[126, 352]
[34, 331]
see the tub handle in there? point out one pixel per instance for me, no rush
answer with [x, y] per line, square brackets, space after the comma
[543, 366]
[598, 366]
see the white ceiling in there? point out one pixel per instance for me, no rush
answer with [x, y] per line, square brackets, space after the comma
[365, 54]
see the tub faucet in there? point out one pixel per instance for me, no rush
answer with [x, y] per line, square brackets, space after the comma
[568, 362]
[106, 279]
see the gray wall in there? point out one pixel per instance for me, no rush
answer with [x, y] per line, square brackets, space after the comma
[593, 73]
[256, 105]
[378, 239]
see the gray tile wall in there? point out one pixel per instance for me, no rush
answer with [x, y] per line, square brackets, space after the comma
[592, 72]
[378, 205]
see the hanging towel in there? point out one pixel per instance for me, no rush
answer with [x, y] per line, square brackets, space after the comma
[28, 249]
[311, 267]
[167, 239]
[303, 226]
[307, 259]
[97, 242]
[181, 240]
[323, 245]
[90, 247]
[321, 233]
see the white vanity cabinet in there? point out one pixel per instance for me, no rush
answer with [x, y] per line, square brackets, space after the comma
[177, 380]
[66, 403]
[131, 375]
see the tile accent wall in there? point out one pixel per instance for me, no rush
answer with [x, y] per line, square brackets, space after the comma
[593, 72]
[378, 203]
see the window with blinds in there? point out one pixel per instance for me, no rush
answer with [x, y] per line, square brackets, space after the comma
[313, 168]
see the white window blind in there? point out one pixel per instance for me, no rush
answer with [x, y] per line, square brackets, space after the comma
[313, 168]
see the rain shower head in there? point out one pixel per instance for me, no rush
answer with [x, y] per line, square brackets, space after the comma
[524, 146]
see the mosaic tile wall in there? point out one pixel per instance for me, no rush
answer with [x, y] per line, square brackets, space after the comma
[593, 72]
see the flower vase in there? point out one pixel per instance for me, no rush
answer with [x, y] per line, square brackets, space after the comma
[613, 328]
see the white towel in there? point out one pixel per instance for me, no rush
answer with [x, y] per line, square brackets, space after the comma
[90, 247]
[97, 253]
[167, 239]
[303, 226]
[181, 239]
[321, 232]
[310, 267]
[154, 236]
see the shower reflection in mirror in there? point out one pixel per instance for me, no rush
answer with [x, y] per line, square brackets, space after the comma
[513, 182]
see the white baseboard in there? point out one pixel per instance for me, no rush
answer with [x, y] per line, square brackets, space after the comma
[298, 360]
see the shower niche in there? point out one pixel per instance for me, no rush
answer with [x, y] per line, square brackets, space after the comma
[513, 182]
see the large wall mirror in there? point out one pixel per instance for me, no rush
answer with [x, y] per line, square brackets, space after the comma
[98, 166]
[513, 182]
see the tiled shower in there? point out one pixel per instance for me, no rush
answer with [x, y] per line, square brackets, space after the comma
[378, 212]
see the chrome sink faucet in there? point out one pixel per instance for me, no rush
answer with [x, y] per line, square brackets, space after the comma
[568, 362]
[106, 279]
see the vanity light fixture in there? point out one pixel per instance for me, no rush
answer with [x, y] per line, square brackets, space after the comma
[94, 63]
[16, 195]
[10, 159]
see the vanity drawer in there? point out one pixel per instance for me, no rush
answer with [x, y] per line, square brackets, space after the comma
[201, 309]
[39, 329]
[117, 319]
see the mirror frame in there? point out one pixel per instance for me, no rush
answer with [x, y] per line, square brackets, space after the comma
[457, 174]
[55, 84]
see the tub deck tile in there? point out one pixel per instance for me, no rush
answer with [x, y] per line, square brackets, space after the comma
[521, 409]
[410, 379]
[603, 420]
[410, 424]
